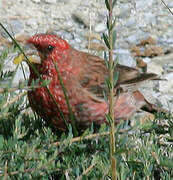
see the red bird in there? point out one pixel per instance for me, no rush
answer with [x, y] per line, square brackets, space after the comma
[83, 76]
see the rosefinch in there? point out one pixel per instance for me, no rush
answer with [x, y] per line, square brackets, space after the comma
[83, 76]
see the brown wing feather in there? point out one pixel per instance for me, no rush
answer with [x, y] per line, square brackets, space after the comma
[92, 76]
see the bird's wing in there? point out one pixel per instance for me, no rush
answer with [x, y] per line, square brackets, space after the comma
[94, 72]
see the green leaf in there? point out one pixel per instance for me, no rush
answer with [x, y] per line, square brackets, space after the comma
[114, 38]
[116, 74]
[105, 37]
[170, 130]
[107, 4]
[105, 97]
[85, 133]
[105, 57]
[45, 83]
[1, 142]
[167, 163]
[112, 25]
[114, 2]
[120, 151]
[115, 62]
[108, 118]
[107, 23]
[107, 64]
[102, 128]
[35, 82]
[71, 115]
[108, 83]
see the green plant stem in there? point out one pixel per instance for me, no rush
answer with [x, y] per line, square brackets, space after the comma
[167, 7]
[111, 95]
[71, 115]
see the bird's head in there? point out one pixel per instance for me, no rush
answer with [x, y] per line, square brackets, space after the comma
[42, 49]
[47, 44]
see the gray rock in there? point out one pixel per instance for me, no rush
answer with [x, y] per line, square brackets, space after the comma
[124, 57]
[166, 87]
[124, 12]
[83, 15]
[147, 59]
[69, 24]
[100, 28]
[166, 101]
[36, 1]
[154, 67]
[14, 27]
[133, 39]
[143, 5]
[32, 23]
[131, 22]
[170, 5]
[50, 1]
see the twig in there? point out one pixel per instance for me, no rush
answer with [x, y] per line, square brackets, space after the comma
[6, 171]
[167, 7]
[90, 136]
[3, 90]
[71, 115]
[86, 172]
[14, 99]
[111, 90]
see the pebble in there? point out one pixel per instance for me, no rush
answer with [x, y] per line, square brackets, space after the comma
[124, 12]
[50, 1]
[32, 23]
[166, 86]
[132, 39]
[143, 5]
[100, 28]
[36, 1]
[68, 24]
[170, 5]
[124, 57]
[147, 59]
[166, 101]
[154, 67]
[14, 27]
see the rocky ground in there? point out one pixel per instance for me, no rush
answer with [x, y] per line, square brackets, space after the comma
[71, 19]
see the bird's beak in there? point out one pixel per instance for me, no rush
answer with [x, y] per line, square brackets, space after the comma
[31, 54]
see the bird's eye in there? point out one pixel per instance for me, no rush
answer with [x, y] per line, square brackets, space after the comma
[50, 48]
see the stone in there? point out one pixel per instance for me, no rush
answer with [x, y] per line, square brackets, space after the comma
[97, 46]
[154, 67]
[143, 5]
[124, 57]
[100, 28]
[50, 1]
[151, 51]
[142, 117]
[146, 41]
[32, 23]
[137, 51]
[166, 86]
[146, 59]
[141, 63]
[166, 101]
[124, 12]
[92, 35]
[170, 4]
[36, 1]
[83, 15]
[14, 27]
